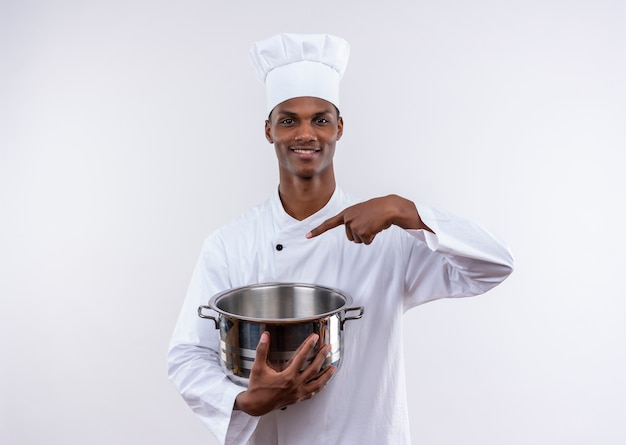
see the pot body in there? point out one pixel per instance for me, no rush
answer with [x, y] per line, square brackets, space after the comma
[290, 312]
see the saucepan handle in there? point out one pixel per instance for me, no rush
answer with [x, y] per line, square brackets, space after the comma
[210, 317]
[360, 310]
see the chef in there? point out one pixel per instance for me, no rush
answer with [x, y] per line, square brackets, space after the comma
[389, 253]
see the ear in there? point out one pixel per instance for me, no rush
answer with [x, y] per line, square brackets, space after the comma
[268, 132]
[339, 127]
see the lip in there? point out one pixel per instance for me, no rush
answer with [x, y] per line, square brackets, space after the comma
[305, 152]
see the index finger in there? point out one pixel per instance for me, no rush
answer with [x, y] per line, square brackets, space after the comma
[303, 351]
[330, 223]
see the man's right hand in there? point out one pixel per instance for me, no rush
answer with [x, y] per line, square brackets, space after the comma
[269, 389]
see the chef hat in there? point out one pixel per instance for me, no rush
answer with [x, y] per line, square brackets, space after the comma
[296, 65]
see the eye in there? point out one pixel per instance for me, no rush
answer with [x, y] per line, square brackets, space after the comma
[287, 121]
[322, 121]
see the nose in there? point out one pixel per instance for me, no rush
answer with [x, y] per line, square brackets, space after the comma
[305, 133]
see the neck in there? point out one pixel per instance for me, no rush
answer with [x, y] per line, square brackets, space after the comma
[302, 198]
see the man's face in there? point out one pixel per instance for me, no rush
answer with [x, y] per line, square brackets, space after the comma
[304, 131]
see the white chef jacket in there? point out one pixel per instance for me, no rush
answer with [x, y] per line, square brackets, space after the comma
[365, 401]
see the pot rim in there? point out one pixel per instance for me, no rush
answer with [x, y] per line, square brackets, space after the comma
[215, 299]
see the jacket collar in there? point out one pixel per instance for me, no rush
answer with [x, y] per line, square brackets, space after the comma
[286, 221]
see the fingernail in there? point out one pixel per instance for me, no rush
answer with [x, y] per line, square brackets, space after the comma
[309, 235]
[263, 338]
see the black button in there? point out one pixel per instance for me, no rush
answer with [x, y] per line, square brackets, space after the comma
[279, 247]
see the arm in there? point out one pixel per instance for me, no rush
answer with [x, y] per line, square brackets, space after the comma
[459, 259]
[193, 356]
[450, 257]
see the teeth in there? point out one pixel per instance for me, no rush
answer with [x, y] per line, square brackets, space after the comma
[304, 150]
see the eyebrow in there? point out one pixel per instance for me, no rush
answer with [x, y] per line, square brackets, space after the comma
[294, 114]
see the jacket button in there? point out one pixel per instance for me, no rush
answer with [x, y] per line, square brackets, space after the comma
[279, 247]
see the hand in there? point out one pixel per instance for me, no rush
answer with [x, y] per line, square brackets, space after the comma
[269, 389]
[365, 220]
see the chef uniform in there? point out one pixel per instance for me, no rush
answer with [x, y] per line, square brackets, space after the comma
[365, 401]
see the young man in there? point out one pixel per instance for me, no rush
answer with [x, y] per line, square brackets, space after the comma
[389, 255]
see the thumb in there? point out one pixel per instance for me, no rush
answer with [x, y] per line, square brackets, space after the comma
[330, 223]
[262, 349]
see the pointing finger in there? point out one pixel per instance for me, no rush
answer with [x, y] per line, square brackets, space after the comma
[330, 223]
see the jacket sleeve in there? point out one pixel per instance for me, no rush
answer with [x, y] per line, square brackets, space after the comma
[193, 356]
[461, 259]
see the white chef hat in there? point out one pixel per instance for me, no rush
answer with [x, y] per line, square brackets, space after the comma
[296, 65]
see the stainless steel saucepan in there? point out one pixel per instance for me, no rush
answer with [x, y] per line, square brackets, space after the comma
[290, 312]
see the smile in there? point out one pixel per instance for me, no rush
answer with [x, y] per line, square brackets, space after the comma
[305, 150]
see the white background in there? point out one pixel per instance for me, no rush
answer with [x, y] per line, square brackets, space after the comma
[130, 130]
